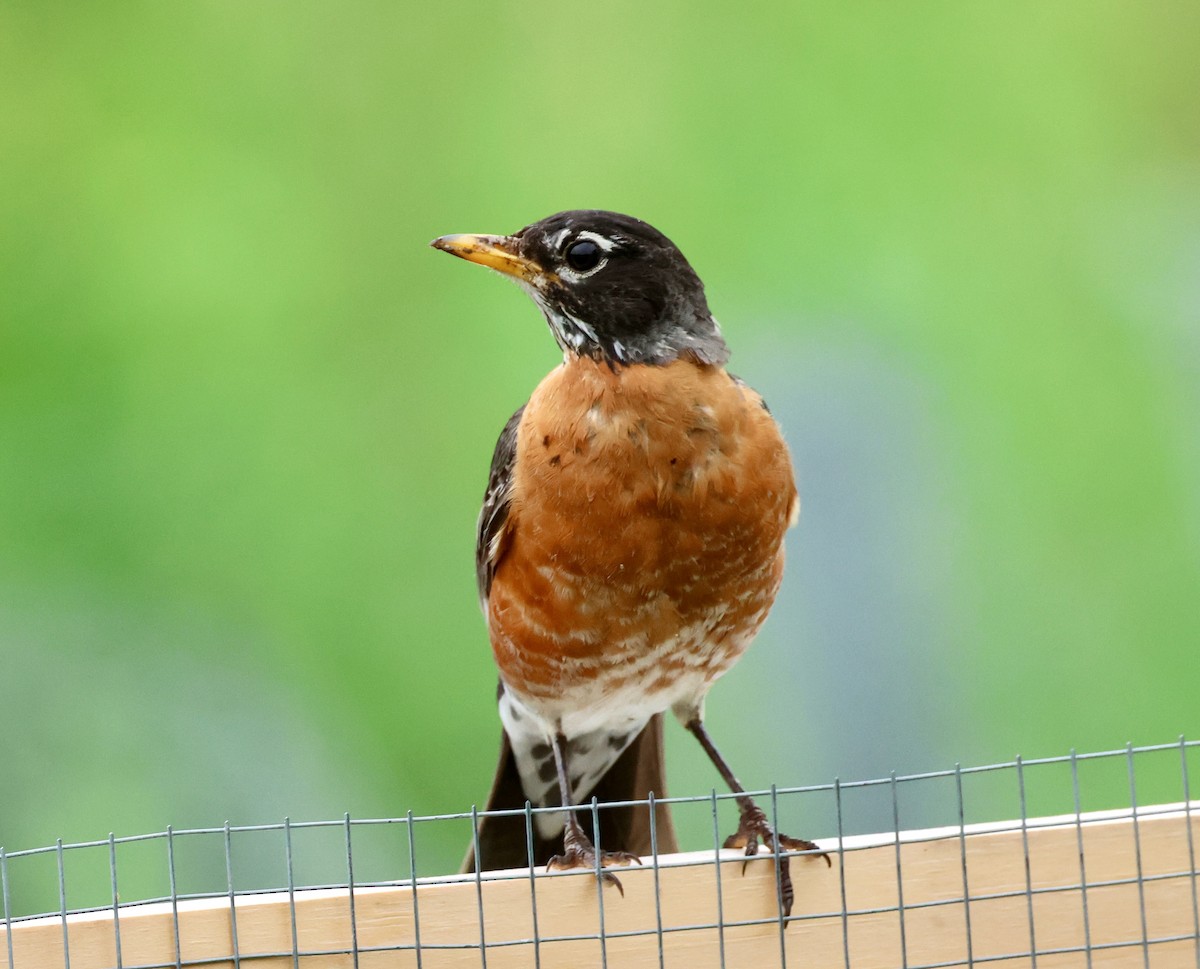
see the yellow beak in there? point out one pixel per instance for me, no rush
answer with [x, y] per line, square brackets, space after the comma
[495, 252]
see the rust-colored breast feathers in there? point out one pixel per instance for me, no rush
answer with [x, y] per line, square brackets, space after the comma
[648, 506]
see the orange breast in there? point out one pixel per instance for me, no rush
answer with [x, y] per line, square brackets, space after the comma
[648, 509]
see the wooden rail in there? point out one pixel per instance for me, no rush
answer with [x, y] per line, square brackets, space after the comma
[886, 902]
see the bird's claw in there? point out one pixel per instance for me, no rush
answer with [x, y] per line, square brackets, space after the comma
[753, 829]
[584, 855]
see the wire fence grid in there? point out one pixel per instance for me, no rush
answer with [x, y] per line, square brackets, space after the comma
[114, 878]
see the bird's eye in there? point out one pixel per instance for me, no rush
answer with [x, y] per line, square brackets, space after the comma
[584, 255]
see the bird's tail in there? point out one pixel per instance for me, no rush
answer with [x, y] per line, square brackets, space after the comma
[504, 842]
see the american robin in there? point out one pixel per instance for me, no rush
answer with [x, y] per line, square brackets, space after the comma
[630, 542]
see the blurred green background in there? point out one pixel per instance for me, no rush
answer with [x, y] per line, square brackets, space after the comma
[246, 414]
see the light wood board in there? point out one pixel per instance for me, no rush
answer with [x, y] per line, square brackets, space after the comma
[1140, 910]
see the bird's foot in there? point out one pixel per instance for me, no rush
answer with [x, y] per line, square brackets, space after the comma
[754, 828]
[579, 852]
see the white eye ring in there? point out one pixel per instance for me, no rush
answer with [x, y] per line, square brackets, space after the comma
[604, 244]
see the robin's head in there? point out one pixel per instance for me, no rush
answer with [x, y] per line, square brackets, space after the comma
[611, 287]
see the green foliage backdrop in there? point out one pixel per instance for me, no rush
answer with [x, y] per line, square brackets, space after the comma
[246, 414]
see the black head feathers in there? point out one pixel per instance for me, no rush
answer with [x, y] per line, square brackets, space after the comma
[611, 286]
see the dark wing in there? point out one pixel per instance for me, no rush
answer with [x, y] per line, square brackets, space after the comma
[489, 533]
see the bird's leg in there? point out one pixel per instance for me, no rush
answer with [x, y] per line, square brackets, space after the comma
[578, 850]
[754, 825]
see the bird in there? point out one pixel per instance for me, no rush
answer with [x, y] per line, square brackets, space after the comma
[629, 546]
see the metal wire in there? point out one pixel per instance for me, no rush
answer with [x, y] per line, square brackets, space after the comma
[1137, 849]
[62, 905]
[599, 883]
[412, 871]
[350, 892]
[1028, 873]
[1187, 800]
[479, 885]
[8, 936]
[20, 882]
[237, 952]
[291, 890]
[537, 939]
[899, 874]
[778, 863]
[1083, 882]
[962, 853]
[658, 924]
[841, 853]
[116, 900]
[174, 898]
[717, 871]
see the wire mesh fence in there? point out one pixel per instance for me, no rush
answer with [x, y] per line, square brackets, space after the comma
[1096, 865]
